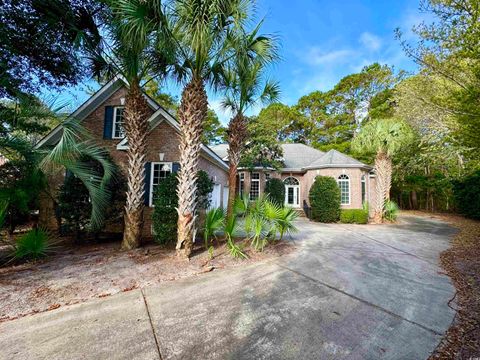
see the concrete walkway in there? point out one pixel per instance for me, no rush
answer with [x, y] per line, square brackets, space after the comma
[349, 292]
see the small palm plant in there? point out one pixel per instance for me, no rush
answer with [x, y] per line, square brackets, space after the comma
[214, 221]
[390, 211]
[284, 223]
[230, 230]
[34, 245]
[273, 212]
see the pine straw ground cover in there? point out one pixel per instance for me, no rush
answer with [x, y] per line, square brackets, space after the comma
[79, 273]
[462, 263]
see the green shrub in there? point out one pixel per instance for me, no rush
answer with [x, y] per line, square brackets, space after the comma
[214, 221]
[354, 216]
[324, 199]
[165, 201]
[33, 245]
[390, 212]
[165, 216]
[275, 189]
[467, 195]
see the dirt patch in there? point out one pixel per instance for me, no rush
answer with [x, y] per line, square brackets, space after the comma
[462, 263]
[78, 274]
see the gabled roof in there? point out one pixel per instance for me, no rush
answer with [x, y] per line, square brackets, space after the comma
[89, 106]
[163, 115]
[334, 158]
[301, 157]
[296, 156]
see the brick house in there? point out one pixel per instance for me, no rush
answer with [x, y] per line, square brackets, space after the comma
[301, 164]
[102, 115]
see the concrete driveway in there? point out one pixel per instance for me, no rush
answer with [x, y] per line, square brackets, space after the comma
[348, 292]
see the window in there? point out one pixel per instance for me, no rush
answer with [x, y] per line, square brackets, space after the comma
[241, 184]
[255, 186]
[267, 176]
[118, 121]
[159, 171]
[344, 185]
[364, 188]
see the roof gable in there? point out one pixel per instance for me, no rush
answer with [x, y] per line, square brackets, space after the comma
[335, 158]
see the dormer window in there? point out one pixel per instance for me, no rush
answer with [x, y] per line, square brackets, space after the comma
[118, 131]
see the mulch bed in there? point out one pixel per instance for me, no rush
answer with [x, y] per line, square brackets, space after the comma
[462, 264]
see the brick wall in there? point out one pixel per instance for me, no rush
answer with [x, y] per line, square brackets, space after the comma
[162, 139]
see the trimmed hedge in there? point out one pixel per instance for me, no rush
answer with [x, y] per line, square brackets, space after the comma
[467, 195]
[324, 199]
[275, 189]
[354, 216]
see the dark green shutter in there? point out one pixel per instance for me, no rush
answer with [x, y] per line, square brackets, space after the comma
[108, 122]
[175, 167]
[148, 169]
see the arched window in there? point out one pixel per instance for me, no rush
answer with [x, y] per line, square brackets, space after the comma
[364, 189]
[291, 181]
[344, 185]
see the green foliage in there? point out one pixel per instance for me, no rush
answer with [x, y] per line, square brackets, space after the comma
[74, 207]
[204, 188]
[354, 216]
[383, 135]
[33, 245]
[284, 222]
[165, 202]
[390, 211]
[275, 189]
[467, 195]
[165, 216]
[324, 199]
[214, 221]
[230, 230]
[213, 130]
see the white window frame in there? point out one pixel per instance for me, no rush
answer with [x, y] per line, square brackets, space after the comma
[252, 180]
[345, 178]
[268, 176]
[241, 184]
[114, 122]
[150, 198]
[363, 185]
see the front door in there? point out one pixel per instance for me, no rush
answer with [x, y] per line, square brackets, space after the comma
[292, 195]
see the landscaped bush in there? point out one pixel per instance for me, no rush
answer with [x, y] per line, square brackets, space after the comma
[165, 201]
[353, 216]
[390, 212]
[467, 195]
[324, 199]
[33, 245]
[275, 189]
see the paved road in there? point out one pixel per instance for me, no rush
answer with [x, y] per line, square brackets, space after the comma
[349, 292]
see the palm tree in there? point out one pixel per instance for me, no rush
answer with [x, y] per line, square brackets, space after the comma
[383, 137]
[129, 51]
[201, 30]
[245, 87]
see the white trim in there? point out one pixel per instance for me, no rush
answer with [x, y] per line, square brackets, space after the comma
[150, 197]
[166, 116]
[84, 110]
[294, 187]
[349, 188]
[114, 122]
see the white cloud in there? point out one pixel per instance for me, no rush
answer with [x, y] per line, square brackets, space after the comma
[370, 41]
[315, 56]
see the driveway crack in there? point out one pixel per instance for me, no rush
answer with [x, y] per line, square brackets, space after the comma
[151, 325]
[361, 300]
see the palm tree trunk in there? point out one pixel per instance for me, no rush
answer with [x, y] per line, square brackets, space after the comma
[383, 170]
[237, 134]
[136, 127]
[191, 114]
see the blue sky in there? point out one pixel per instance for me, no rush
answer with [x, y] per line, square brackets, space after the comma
[322, 41]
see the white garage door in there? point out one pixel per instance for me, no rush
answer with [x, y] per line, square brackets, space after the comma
[216, 196]
[225, 197]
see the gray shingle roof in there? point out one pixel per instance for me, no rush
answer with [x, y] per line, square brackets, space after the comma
[297, 156]
[301, 156]
[334, 157]
[220, 149]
